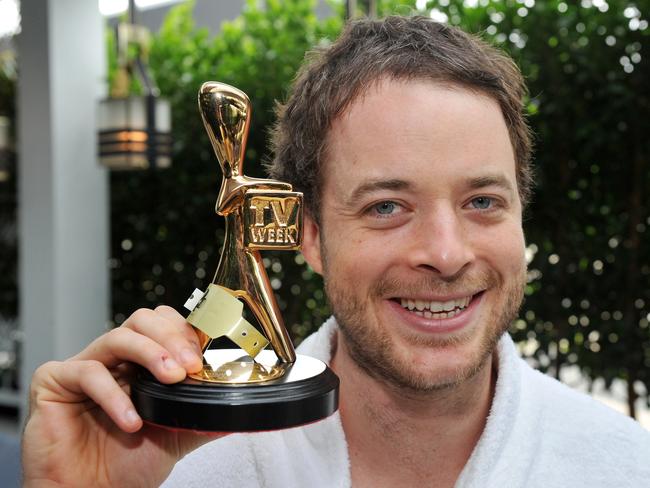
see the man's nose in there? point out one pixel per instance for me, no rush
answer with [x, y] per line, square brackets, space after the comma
[440, 242]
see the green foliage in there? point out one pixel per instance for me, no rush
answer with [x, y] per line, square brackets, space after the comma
[588, 298]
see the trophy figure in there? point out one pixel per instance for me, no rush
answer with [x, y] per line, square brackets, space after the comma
[246, 388]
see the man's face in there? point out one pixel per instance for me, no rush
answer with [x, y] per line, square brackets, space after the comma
[420, 240]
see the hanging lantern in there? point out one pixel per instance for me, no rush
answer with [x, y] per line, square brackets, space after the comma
[134, 131]
[5, 149]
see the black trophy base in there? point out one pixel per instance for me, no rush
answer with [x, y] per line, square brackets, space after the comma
[305, 393]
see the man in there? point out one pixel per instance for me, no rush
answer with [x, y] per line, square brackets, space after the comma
[408, 140]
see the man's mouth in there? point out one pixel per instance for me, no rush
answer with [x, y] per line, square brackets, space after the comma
[436, 309]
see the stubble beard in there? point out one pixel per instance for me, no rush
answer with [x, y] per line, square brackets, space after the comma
[372, 349]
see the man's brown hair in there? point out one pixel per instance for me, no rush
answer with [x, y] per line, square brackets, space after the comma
[400, 48]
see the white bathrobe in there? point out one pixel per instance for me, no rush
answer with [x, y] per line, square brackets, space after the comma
[539, 433]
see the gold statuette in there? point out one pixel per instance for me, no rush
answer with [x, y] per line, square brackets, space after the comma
[247, 388]
[260, 214]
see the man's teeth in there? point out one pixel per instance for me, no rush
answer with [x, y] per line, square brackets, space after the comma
[436, 310]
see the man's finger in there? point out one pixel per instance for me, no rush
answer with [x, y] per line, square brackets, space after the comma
[124, 344]
[76, 381]
[171, 334]
[181, 323]
[168, 333]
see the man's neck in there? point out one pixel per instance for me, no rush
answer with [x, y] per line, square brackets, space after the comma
[398, 438]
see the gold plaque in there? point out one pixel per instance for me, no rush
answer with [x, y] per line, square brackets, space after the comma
[272, 220]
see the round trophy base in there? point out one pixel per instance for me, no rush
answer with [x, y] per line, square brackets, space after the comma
[305, 393]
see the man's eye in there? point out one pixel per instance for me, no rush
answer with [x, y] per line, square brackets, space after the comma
[385, 208]
[481, 203]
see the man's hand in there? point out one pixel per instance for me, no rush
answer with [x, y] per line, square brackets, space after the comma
[83, 429]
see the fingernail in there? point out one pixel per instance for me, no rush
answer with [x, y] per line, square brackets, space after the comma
[188, 357]
[131, 416]
[170, 363]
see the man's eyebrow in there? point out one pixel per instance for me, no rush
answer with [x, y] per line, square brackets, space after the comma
[371, 186]
[484, 181]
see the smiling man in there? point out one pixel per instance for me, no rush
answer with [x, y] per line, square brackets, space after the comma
[419, 240]
[408, 140]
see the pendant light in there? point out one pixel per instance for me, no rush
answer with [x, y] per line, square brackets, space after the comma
[134, 131]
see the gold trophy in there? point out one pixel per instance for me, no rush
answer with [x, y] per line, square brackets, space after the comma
[246, 388]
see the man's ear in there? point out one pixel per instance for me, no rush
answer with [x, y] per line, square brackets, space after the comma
[311, 243]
